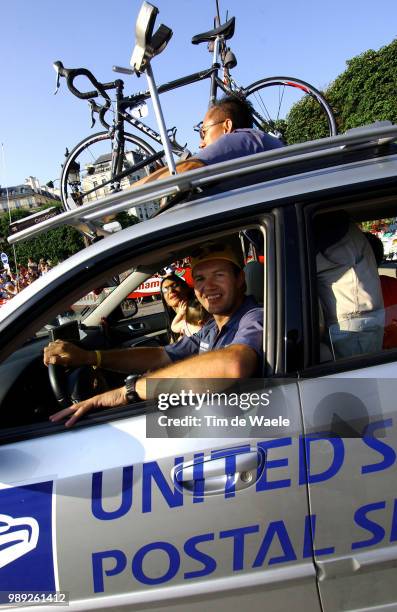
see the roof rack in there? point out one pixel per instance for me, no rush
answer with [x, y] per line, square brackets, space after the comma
[356, 138]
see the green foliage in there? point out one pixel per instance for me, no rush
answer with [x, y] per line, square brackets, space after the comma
[365, 92]
[305, 121]
[126, 220]
[56, 244]
[276, 128]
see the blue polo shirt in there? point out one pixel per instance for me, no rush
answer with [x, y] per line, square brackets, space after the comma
[244, 327]
[239, 143]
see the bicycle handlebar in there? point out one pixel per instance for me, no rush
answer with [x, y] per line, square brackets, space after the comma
[71, 73]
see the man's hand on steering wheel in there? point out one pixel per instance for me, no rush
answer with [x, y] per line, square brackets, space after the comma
[67, 354]
[109, 399]
[71, 378]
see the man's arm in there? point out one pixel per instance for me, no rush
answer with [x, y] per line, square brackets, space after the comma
[184, 166]
[138, 359]
[237, 361]
[234, 362]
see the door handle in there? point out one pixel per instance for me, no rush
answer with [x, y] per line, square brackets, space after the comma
[136, 327]
[226, 474]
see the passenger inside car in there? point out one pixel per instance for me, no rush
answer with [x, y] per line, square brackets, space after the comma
[185, 315]
[348, 286]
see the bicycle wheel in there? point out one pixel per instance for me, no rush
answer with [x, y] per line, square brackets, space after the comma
[87, 170]
[290, 109]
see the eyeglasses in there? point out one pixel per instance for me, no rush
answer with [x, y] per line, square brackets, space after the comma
[203, 129]
[168, 288]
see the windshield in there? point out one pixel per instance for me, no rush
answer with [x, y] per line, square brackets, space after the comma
[134, 290]
[87, 304]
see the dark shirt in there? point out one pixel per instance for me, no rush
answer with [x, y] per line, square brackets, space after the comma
[239, 143]
[244, 327]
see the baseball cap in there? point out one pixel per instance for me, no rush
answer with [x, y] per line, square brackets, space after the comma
[228, 251]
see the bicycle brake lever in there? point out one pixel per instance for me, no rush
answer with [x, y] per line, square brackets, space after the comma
[176, 145]
[172, 136]
[94, 109]
[58, 83]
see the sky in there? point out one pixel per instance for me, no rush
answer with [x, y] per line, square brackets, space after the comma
[307, 39]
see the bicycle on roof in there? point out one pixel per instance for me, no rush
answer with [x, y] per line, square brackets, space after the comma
[114, 159]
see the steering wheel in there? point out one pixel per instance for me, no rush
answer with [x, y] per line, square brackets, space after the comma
[72, 385]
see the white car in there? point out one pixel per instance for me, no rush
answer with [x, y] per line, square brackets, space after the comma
[296, 513]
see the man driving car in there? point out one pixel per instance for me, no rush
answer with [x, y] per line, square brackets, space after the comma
[229, 346]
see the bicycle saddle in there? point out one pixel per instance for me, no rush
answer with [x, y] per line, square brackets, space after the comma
[226, 30]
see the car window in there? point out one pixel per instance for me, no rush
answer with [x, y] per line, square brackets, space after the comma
[130, 313]
[355, 281]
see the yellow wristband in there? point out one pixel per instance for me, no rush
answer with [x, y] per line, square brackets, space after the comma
[98, 355]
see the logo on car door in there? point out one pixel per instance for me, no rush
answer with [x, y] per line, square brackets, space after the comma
[26, 556]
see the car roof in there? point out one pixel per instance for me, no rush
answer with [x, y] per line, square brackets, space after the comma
[358, 145]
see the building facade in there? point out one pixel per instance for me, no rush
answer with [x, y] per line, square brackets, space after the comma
[96, 174]
[30, 195]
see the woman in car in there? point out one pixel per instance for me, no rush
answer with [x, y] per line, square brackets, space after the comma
[185, 315]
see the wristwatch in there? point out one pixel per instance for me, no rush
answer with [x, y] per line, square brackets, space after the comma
[130, 383]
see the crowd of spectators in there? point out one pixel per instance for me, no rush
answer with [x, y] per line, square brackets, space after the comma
[12, 283]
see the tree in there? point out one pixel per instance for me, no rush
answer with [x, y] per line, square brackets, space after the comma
[125, 219]
[56, 244]
[305, 121]
[365, 92]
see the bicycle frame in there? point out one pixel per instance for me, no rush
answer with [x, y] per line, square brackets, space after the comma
[121, 115]
[116, 132]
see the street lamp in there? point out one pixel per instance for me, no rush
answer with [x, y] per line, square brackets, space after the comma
[74, 173]
[52, 190]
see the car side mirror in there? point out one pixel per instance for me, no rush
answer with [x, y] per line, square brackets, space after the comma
[129, 308]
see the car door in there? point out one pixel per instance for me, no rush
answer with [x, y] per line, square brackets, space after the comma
[147, 327]
[102, 517]
[351, 442]
[349, 416]
[120, 520]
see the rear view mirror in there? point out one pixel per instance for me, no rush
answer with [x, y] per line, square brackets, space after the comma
[129, 308]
